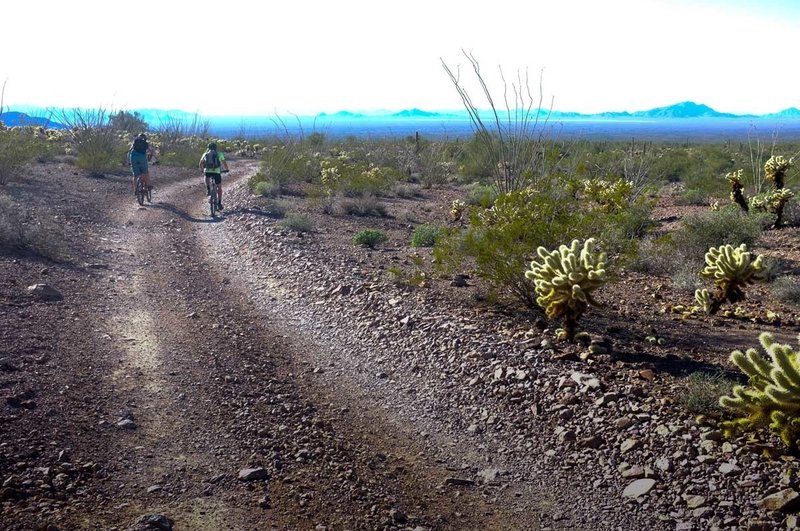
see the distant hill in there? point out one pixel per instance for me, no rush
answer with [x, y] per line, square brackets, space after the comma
[341, 114]
[16, 119]
[791, 112]
[686, 109]
[416, 113]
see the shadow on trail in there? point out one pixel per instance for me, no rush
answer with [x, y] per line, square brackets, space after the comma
[255, 212]
[183, 214]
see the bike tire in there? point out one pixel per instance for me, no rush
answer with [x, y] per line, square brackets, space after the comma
[149, 195]
[212, 201]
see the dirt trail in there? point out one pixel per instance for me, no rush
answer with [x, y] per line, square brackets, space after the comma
[212, 389]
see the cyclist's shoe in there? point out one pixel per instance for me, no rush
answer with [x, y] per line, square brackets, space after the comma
[150, 188]
[221, 207]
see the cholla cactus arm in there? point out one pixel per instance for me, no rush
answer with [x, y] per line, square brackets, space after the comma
[773, 396]
[565, 278]
[704, 299]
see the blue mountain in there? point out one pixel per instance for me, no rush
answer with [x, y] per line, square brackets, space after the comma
[686, 109]
[15, 119]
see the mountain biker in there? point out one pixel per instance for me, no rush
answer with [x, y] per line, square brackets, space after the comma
[212, 163]
[140, 152]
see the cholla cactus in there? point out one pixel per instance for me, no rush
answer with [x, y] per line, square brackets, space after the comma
[329, 176]
[775, 169]
[565, 279]
[611, 195]
[737, 189]
[731, 268]
[457, 210]
[773, 396]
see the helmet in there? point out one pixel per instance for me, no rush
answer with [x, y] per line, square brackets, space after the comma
[212, 145]
[143, 136]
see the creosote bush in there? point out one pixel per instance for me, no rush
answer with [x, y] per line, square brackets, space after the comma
[703, 391]
[297, 223]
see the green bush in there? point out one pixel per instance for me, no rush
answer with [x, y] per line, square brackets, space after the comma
[714, 228]
[503, 239]
[482, 195]
[18, 147]
[425, 236]
[786, 289]
[370, 238]
[298, 223]
[692, 198]
[703, 391]
[267, 188]
[284, 165]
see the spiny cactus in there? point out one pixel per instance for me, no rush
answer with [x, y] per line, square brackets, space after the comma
[565, 279]
[737, 189]
[775, 169]
[773, 395]
[457, 210]
[731, 268]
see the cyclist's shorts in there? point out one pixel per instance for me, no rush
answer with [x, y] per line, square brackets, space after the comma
[138, 163]
[216, 176]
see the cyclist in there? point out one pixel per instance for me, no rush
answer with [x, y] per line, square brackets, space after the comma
[140, 152]
[212, 163]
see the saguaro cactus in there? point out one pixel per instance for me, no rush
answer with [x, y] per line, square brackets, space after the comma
[773, 395]
[565, 279]
[731, 268]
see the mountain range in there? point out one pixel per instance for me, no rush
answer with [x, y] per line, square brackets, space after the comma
[37, 115]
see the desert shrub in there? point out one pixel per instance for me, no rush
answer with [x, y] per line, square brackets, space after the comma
[130, 122]
[297, 223]
[22, 230]
[370, 238]
[18, 147]
[714, 228]
[654, 256]
[503, 239]
[267, 188]
[692, 197]
[481, 195]
[703, 391]
[285, 164]
[364, 206]
[786, 289]
[424, 235]
[274, 209]
[98, 148]
[405, 191]
[685, 279]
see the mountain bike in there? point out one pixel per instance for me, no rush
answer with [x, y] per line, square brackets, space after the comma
[213, 196]
[142, 192]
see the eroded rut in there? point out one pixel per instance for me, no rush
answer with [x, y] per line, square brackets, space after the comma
[203, 387]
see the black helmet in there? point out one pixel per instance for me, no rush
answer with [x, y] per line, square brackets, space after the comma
[143, 136]
[212, 146]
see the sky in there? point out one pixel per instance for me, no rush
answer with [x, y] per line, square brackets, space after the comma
[302, 57]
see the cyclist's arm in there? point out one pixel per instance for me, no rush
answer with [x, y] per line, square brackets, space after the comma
[224, 165]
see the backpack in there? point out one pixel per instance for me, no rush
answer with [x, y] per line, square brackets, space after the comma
[140, 145]
[211, 160]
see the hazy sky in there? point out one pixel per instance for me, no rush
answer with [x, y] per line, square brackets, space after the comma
[303, 57]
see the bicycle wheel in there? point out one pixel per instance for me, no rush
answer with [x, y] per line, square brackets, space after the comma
[139, 192]
[212, 201]
[149, 195]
